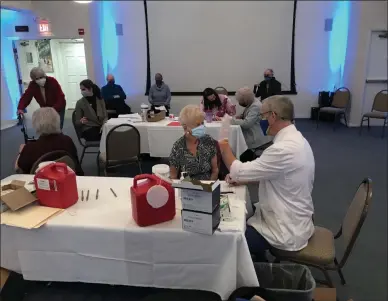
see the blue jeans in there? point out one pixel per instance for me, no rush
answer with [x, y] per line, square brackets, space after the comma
[62, 116]
[257, 244]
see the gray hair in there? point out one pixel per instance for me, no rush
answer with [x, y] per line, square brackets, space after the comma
[191, 114]
[36, 72]
[46, 121]
[281, 105]
[245, 95]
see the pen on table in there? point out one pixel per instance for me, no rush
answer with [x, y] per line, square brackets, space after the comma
[97, 194]
[82, 195]
[113, 193]
[87, 196]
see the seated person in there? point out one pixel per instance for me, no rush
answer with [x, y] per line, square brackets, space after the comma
[218, 104]
[249, 121]
[195, 152]
[160, 94]
[46, 123]
[90, 111]
[114, 97]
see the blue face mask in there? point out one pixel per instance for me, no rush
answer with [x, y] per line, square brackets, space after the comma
[264, 126]
[267, 78]
[199, 131]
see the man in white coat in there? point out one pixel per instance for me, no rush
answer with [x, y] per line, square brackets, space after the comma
[285, 170]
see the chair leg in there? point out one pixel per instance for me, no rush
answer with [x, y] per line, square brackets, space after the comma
[343, 282]
[327, 277]
[383, 132]
[98, 164]
[346, 121]
[140, 169]
[82, 156]
[318, 118]
[362, 122]
[368, 124]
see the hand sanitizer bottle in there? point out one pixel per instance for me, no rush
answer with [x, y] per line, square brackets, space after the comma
[183, 175]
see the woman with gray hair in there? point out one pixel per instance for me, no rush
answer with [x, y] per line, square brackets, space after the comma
[47, 92]
[249, 121]
[46, 123]
[195, 153]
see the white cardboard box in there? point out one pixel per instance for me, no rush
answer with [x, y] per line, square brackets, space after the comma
[201, 196]
[200, 222]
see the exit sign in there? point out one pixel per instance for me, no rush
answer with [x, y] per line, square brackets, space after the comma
[44, 27]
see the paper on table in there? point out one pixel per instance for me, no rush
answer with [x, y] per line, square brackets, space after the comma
[134, 116]
[29, 217]
[161, 108]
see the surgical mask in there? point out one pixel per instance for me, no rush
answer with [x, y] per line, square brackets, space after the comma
[41, 81]
[199, 131]
[267, 77]
[86, 93]
[264, 126]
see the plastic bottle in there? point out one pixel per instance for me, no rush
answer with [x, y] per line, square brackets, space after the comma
[183, 176]
[225, 127]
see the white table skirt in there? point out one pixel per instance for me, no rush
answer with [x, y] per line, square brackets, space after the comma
[157, 139]
[97, 241]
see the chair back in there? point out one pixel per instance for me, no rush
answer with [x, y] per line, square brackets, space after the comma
[341, 98]
[76, 127]
[57, 156]
[221, 90]
[355, 216]
[122, 143]
[380, 102]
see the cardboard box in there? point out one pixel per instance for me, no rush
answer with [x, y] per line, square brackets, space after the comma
[201, 222]
[324, 294]
[16, 196]
[201, 196]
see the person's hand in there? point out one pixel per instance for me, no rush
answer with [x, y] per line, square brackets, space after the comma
[216, 118]
[20, 112]
[84, 120]
[21, 147]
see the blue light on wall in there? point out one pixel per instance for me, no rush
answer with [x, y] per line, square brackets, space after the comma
[109, 42]
[338, 43]
[8, 65]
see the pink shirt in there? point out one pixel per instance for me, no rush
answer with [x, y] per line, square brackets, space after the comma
[227, 107]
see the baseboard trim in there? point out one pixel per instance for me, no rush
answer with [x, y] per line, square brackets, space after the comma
[9, 124]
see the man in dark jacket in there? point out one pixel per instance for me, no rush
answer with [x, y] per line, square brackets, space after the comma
[114, 96]
[47, 92]
[268, 87]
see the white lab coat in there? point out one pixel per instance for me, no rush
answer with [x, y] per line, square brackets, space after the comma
[286, 173]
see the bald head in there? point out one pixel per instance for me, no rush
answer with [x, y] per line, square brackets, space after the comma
[110, 78]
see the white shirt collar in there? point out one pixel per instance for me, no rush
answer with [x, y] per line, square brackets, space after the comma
[283, 132]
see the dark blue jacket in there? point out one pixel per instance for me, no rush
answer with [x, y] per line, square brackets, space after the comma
[112, 93]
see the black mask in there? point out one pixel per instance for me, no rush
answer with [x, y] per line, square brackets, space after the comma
[267, 77]
[159, 82]
[112, 81]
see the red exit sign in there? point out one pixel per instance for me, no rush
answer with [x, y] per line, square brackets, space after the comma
[44, 27]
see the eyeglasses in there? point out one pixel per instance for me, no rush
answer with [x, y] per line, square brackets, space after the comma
[262, 114]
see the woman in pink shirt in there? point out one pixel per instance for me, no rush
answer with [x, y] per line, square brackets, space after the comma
[216, 104]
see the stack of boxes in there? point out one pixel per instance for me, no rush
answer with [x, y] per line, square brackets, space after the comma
[200, 205]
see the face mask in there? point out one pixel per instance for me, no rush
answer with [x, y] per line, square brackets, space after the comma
[41, 81]
[267, 77]
[159, 82]
[111, 81]
[264, 126]
[86, 93]
[199, 131]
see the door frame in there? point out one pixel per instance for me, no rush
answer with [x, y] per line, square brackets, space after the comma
[59, 58]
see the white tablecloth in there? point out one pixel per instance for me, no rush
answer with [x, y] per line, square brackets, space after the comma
[156, 138]
[97, 241]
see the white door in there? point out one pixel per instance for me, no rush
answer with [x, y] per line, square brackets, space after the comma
[28, 59]
[74, 66]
